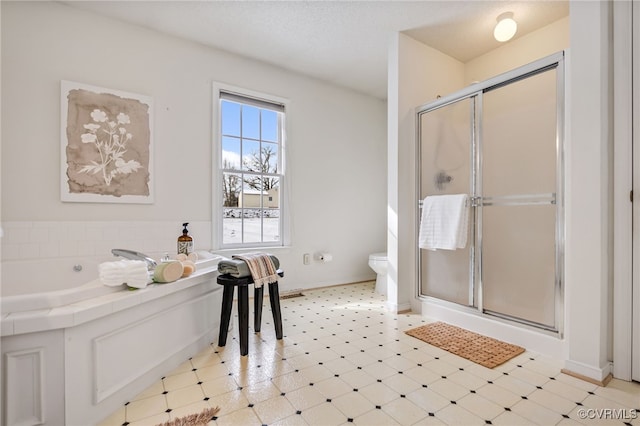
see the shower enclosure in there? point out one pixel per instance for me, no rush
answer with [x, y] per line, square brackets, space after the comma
[499, 141]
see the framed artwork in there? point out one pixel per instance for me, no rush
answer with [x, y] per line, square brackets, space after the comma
[106, 145]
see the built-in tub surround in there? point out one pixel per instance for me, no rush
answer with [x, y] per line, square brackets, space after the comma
[77, 362]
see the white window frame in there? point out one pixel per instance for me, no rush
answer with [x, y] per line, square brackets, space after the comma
[217, 208]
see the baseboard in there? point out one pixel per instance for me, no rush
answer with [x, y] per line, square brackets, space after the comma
[398, 308]
[597, 376]
[602, 383]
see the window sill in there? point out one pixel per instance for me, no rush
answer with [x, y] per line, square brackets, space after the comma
[231, 251]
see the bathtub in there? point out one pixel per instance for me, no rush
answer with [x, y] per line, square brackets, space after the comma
[74, 350]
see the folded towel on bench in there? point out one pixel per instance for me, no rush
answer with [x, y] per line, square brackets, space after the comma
[263, 271]
[238, 268]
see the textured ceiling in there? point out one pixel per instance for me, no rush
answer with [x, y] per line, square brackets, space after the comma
[345, 42]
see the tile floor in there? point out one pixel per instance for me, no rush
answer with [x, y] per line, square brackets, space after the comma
[346, 360]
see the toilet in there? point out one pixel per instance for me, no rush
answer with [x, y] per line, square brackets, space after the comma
[378, 262]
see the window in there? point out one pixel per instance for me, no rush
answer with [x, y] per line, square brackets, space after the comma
[251, 138]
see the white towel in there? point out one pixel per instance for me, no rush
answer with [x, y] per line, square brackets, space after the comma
[445, 222]
[133, 273]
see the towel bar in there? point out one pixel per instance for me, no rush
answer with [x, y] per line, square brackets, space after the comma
[509, 200]
[471, 201]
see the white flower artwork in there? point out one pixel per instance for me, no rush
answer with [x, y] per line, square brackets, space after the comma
[106, 145]
[110, 141]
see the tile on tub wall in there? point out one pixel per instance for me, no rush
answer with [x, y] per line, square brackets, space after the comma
[38, 234]
[50, 249]
[69, 248]
[46, 239]
[28, 250]
[16, 230]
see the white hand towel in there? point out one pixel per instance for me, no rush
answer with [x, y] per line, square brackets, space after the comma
[444, 223]
[134, 273]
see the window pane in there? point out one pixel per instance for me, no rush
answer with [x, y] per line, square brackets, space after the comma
[271, 211]
[251, 191]
[252, 226]
[251, 156]
[269, 157]
[232, 226]
[271, 189]
[250, 122]
[231, 187]
[271, 224]
[230, 153]
[230, 118]
[269, 125]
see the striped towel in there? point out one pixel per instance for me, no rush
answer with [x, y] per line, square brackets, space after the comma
[261, 266]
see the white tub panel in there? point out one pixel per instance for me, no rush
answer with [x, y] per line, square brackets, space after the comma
[121, 356]
[25, 376]
[32, 377]
[110, 360]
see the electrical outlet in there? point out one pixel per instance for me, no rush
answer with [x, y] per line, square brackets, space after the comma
[306, 258]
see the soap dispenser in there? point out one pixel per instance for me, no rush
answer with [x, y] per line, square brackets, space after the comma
[185, 242]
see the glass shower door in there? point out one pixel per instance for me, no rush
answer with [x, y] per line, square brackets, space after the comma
[518, 217]
[446, 151]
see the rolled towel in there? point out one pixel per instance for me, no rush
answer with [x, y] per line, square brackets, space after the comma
[238, 268]
[112, 273]
[139, 281]
[134, 273]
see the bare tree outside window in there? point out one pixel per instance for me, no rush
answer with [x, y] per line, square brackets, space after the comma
[262, 162]
[231, 187]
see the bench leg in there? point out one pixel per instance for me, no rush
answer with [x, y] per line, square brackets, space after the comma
[274, 299]
[258, 293]
[225, 315]
[243, 315]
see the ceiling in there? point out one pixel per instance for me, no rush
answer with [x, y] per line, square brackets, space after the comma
[344, 42]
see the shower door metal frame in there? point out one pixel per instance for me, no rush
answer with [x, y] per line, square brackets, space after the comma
[475, 93]
[473, 181]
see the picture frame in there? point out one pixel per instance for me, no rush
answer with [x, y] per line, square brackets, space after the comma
[106, 145]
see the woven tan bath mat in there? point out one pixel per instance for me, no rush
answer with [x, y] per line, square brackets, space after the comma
[197, 419]
[475, 347]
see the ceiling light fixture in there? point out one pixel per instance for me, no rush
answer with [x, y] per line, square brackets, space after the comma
[505, 28]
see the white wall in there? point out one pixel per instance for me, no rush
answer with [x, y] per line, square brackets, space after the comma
[417, 75]
[588, 192]
[538, 44]
[336, 138]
